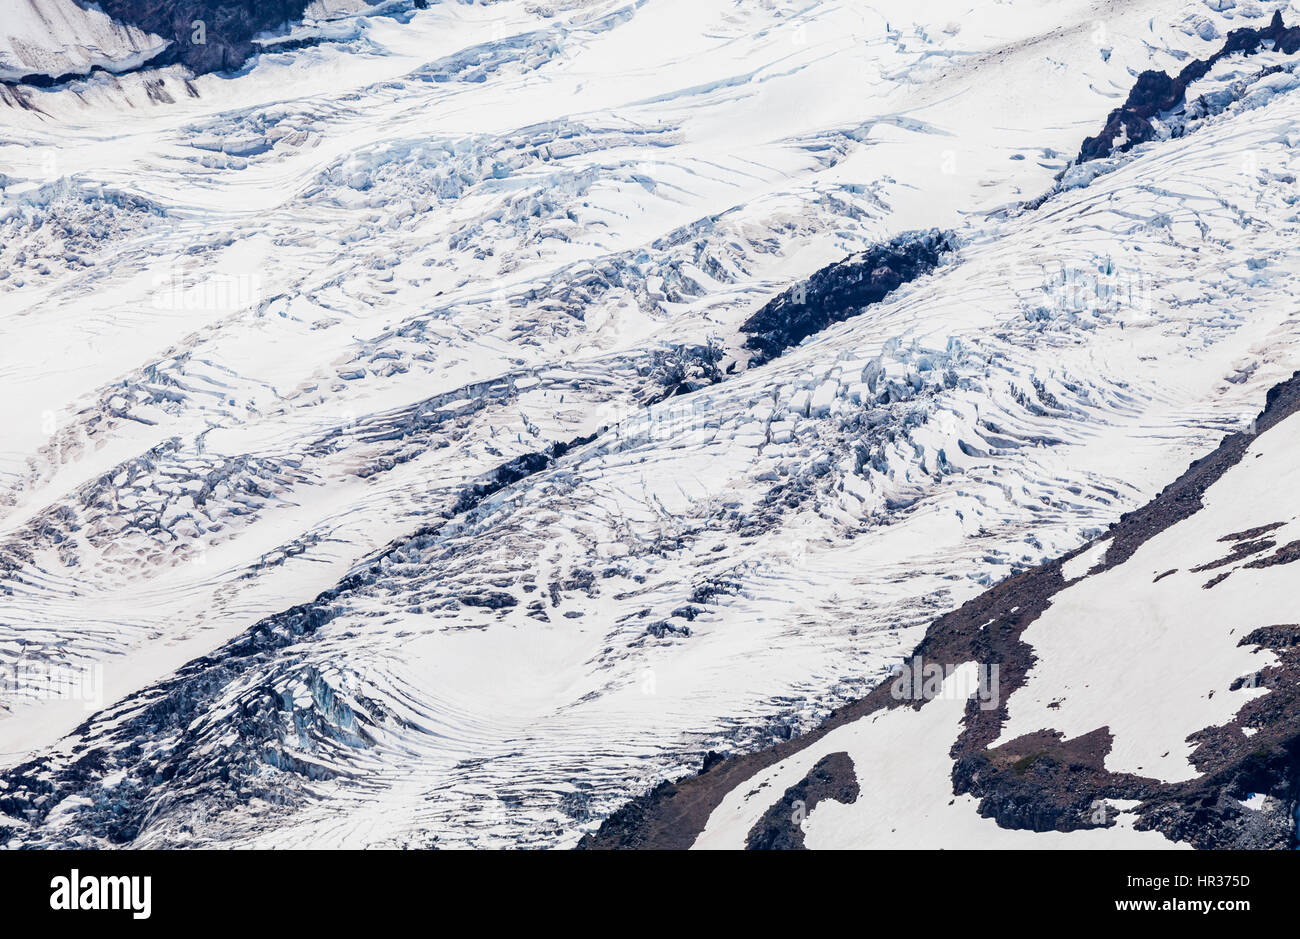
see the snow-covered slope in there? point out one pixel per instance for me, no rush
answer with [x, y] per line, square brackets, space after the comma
[52, 42]
[380, 444]
[60, 37]
[1139, 693]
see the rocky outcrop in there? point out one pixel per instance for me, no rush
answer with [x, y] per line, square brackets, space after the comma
[841, 290]
[206, 35]
[1156, 92]
[224, 38]
[781, 827]
[1042, 781]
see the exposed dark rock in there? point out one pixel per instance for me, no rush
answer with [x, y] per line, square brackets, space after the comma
[780, 828]
[1041, 781]
[1156, 93]
[226, 34]
[1253, 533]
[841, 290]
[1240, 551]
[1287, 554]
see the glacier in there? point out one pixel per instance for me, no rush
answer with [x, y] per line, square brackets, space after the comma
[384, 420]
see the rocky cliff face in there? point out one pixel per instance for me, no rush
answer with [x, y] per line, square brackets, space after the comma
[206, 35]
[1155, 92]
[45, 43]
[842, 290]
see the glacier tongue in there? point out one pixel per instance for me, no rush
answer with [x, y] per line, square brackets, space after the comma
[378, 420]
